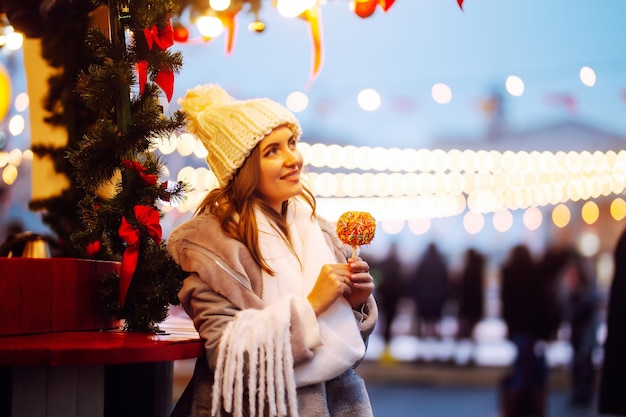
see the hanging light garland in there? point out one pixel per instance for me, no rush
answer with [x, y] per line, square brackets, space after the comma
[402, 184]
[221, 15]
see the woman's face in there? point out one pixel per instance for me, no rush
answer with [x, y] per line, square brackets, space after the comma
[280, 167]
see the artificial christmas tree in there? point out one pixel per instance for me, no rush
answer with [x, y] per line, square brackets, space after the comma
[129, 70]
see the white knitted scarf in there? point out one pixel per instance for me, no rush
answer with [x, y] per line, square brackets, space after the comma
[256, 347]
[256, 344]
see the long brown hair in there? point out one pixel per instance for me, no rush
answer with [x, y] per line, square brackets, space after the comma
[234, 205]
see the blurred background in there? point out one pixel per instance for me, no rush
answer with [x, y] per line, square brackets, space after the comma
[476, 129]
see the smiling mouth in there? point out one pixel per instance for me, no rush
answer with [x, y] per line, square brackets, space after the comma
[290, 176]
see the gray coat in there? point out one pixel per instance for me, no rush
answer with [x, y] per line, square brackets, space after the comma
[225, 279]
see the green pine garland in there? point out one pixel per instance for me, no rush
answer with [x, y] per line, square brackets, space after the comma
[120, 142]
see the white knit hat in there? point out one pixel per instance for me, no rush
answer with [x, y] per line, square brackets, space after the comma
[229, 129]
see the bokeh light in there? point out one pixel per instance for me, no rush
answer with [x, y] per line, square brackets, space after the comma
[441, 93]
[369, 99]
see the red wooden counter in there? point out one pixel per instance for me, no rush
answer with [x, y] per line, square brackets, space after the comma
[92, 373]
[97, 348]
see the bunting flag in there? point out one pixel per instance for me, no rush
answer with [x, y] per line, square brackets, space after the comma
[324, 107]
[404, 105]
[313, 16]
[229, 20]
[460, 2]
[567, 101]
[386, 4]
[149, 217]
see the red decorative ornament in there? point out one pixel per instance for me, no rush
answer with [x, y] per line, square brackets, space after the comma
[364, 8]
[93, 248]
[181, 33]
[460, 4]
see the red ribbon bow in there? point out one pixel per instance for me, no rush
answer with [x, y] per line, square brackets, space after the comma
[149, 179]
[148, 217]
[163, 39]
[165, 77]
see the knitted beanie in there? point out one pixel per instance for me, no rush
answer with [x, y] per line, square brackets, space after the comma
[229, 129]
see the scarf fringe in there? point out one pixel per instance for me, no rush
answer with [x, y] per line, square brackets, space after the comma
[256, 342]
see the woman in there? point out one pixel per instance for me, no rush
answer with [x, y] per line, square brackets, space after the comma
[283, 313]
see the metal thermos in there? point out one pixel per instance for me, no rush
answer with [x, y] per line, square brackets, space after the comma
[25, 245]
[36, 248]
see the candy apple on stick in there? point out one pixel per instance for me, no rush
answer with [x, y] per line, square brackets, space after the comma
[356, 228]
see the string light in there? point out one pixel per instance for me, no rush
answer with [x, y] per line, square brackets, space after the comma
[396, 189]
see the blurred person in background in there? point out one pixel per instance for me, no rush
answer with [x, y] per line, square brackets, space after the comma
[389, 290]
[527, 309]
[581, 307]
[471, 293]
[612, 396]
[430, 290]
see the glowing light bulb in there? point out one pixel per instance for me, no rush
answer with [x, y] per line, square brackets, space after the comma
[219, 5]
[293, 8]
[210, 26]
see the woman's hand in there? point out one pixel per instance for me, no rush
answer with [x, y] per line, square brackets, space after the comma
[333, 281]
[361, 282]
[352, 280]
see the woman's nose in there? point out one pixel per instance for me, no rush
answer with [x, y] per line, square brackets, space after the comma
[293, 158]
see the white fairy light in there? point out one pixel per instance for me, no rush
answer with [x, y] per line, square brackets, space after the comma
[405, 184]
[587, 76]
[514, 85]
